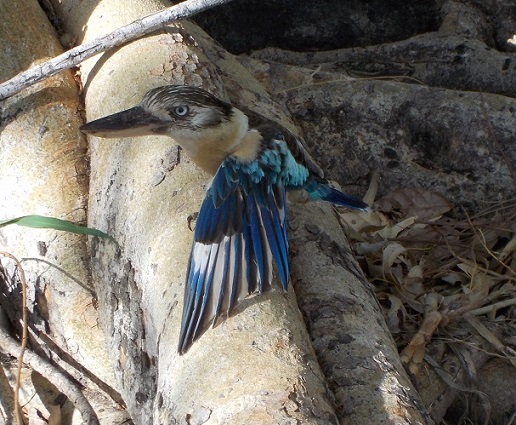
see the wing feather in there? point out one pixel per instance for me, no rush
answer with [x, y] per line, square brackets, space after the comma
[277, 237]
[240, 230]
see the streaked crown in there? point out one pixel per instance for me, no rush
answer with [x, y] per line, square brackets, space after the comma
[186, 106]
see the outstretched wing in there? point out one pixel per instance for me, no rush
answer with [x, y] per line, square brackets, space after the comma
[240, 229]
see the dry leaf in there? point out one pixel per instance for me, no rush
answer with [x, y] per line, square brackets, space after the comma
[393, 311]
[421, 203]
[413, 283]
[55, 414]
[391, 232]
[491, 338]
[391, 253]
[454, 278]
[364, 221]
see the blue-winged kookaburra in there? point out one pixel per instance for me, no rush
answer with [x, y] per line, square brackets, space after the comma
[241, 229]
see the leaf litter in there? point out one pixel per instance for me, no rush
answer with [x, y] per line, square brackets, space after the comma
[442, 276]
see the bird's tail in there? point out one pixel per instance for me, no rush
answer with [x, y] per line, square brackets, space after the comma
[321, 191]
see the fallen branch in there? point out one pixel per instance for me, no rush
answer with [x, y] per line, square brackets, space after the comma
[117, 38]
[23, 346]
[9, 345]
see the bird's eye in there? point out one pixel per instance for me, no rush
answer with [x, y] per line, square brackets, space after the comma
[181, 110]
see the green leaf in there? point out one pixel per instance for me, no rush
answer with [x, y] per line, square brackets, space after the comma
[42, 222]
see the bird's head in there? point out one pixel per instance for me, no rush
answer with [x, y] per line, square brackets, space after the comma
[181, 112]
[205, 126]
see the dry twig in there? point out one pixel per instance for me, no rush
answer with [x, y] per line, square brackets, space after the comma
[23, 345]
[70, 390]
[117, 38]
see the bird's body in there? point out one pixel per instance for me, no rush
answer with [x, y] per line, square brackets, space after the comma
[241, 227]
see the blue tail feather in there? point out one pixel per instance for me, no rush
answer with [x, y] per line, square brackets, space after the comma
[321, 191]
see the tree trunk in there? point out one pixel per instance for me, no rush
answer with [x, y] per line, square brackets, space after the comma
[44, 171]
[265, 364]
[258, 365]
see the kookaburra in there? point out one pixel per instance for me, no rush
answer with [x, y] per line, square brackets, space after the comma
[241, 229]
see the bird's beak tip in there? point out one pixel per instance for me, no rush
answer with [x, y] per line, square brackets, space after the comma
[87, 128]
[132, 122]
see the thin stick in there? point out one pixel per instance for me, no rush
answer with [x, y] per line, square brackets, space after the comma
[23, 345]
[493, 307]
[118, 37]
[10, 346]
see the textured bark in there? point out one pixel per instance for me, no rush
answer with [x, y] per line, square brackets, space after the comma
[44, 171]
[457, 143]
[256, 367]
[132, 31]
[265, 370]
[364, 109]
[261, 366]
[453, 133]
[353, 345]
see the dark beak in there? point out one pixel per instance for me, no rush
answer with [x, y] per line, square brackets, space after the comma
[130, 123]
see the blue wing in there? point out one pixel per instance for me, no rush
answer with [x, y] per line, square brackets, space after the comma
[293, 149]
[240, 229]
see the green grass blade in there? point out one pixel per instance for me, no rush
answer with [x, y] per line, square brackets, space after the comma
[43, 222]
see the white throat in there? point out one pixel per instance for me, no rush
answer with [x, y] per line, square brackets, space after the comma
[209, 147]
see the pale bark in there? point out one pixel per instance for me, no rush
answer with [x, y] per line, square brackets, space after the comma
[362, 110]
[258, 366]
[248, 369]
[252, 366]
[352, 343]
[44, 171]
[132, 31]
